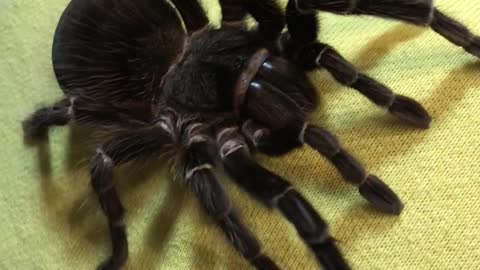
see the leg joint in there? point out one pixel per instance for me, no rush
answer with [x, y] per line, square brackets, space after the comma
[278, 197]
[190, 172]
[254, 132]
[230, 141]
[101, 172]
[322, 141]
[310, 226]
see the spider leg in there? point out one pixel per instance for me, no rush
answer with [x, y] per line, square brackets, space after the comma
[274, 191]
[309, 53]
[199, 161]
[371, 187]
[192, 14]
[125, 148]
[405, 108]
[107, 115]
[420, 12]
[37, 124]
[267, 13]
[272, 143]
[455, 32]
[84, 111]
[232, 11]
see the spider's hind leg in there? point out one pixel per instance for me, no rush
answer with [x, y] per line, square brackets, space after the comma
[36, 126]
[130, 146]
[192, 14]
[88, 112]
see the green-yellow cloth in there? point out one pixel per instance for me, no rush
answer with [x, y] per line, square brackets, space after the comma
[50, 219]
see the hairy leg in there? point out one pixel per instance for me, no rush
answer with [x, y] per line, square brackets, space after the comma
[87, 112]
[405, 108]
[36, 125]
[198, 163]
[232, 11]
[309, 53]
[192, 14]
[371, 187]
[274, 191]
[127, 147]
[420, 12]
[267, 13]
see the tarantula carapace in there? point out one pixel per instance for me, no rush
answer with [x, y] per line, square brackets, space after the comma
[155, 75]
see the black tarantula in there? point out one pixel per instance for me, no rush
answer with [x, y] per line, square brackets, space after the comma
[157, 78]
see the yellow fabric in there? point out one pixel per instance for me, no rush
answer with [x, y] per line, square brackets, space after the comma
[50, 220]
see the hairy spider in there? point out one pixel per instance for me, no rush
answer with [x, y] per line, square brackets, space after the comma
[157, 79]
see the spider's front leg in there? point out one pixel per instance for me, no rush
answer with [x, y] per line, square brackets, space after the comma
[197, 173]
[274, 191]
[279, 142]
[125, 148]
[420, 12]
[302, 47]
[321, 55]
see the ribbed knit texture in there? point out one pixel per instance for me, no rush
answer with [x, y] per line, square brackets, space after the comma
[50, 219]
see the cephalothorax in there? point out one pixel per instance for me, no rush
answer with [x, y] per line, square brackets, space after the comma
[133, 69]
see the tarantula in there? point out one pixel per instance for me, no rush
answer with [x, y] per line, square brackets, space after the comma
[155, 75]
